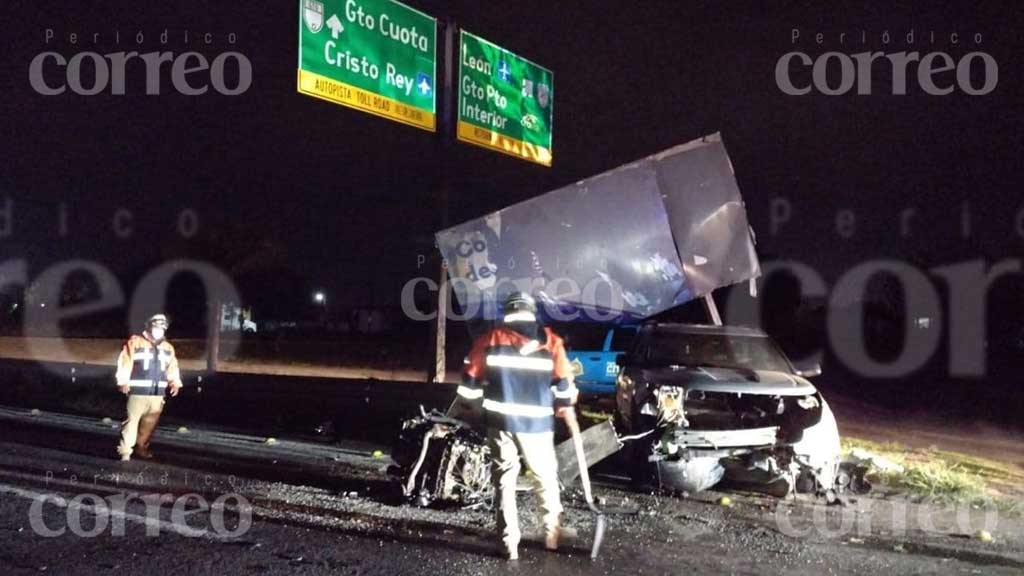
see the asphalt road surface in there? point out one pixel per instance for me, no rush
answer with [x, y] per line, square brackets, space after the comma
[218, 502]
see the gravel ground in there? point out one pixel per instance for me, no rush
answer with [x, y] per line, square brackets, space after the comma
[313, 512]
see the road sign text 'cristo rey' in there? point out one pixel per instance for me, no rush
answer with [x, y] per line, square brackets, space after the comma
[378, 56]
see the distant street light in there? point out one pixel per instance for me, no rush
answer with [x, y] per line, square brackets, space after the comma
[319, 298]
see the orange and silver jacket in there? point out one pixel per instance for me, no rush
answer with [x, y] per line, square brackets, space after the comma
[147, 367]
[520, 379]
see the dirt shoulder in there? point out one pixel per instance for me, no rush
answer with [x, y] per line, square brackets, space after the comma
[257, 358]
[996, 454]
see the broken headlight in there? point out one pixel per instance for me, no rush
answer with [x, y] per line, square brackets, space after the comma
[670, 405]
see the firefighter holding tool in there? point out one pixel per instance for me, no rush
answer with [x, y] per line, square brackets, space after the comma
[520, 377]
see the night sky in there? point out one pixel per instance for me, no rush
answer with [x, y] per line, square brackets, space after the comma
[347, 201]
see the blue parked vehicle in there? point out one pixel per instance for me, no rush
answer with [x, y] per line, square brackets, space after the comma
[592, 351]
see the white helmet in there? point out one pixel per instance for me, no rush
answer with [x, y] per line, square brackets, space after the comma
[158, 321]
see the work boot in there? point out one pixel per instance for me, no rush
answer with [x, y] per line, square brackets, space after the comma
[146, 427]
[551, 536]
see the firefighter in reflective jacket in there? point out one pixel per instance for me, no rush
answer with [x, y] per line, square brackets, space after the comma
[520, 376]
[147, 369]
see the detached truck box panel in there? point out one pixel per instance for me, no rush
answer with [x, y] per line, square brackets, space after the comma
[617, 247]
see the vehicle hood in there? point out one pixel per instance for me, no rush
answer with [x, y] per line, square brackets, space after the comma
[730, 380]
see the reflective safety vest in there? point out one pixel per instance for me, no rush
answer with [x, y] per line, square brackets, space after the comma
[518, 380]
[147, 367]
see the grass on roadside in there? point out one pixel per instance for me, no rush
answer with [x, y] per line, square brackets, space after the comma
[934, 475]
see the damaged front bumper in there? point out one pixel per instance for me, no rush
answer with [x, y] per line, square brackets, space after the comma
[761, 458]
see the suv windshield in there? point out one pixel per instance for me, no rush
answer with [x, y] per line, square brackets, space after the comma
[745, 352]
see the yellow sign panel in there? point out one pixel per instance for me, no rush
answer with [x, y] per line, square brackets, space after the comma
[489, 139]
[347, 95]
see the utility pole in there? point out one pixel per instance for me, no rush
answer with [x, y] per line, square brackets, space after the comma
[446, 136]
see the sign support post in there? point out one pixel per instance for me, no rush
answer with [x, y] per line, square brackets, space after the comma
[446, 165]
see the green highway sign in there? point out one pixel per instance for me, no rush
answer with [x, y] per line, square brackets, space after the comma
[378, 56]
[505, 101]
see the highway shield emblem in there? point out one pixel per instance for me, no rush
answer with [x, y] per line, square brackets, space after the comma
[313, 14]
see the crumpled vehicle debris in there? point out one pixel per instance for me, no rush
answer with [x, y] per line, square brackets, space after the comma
[442, 460]
[873, 461]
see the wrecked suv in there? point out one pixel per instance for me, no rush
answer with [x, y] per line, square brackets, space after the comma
[708, 404]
